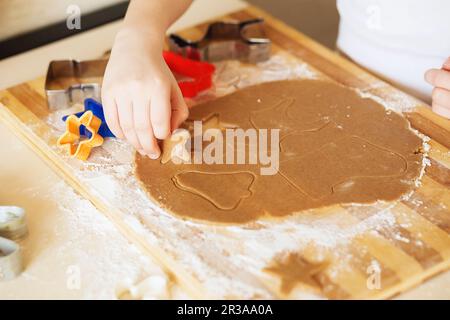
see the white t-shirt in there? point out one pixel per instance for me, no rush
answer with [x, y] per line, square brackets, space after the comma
[398, 39]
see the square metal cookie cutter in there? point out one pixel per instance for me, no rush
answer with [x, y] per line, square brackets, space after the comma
[76, 93]
[226, 40]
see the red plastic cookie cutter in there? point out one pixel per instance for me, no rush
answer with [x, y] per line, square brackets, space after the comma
[200, 72]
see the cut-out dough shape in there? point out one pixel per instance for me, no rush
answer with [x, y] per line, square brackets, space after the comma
[175, 147]
[210, 186]
[281, 115]
[335, 148]
[353, 153]
[214, 122]
[294, 270]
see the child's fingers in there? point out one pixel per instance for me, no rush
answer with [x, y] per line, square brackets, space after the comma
[441, 97]
[441, 110]
[111, 115]
[447, 64]
[438, 78]
[160, 111]
[126, 119]
[180, 111]
[143, 127]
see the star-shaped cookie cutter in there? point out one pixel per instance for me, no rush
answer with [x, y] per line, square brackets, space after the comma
[97, 110]
[71, 137]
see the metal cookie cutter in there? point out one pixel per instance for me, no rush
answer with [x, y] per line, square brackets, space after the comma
[12, 222]
[226, 40]
[10, 259]
[13, 226]
[73, 72]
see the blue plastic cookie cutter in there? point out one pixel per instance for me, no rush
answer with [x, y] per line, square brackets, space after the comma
[97, 110]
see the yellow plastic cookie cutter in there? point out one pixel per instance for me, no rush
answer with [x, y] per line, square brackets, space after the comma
[71, 137]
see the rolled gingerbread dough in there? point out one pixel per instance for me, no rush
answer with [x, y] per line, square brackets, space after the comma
[335, 148]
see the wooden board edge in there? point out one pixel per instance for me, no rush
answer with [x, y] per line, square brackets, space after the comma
[414, 281]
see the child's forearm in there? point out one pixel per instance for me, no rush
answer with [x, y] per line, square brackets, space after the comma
[153, 17]
[141, 99]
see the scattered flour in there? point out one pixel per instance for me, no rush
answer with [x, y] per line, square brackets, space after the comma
[107, 262]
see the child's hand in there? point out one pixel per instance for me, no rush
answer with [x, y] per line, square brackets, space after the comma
[440, 79]
[141, 98]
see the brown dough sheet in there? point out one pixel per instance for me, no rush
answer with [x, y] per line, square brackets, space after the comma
[335, 148]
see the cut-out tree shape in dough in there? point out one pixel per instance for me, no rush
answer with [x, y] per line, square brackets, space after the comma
[282, 116]
[335, 148]
[224, 190]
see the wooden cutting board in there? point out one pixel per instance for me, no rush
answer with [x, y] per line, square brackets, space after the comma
[344, 250]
